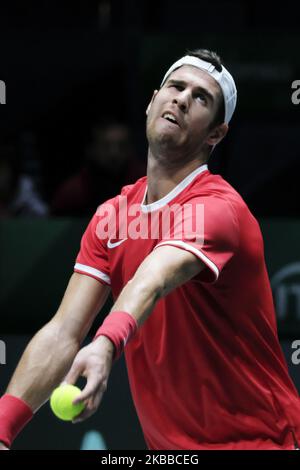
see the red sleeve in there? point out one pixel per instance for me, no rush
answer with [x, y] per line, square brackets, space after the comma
[92, 259]
[209, 229]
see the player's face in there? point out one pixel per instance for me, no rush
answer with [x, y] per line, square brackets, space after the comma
[180, 113]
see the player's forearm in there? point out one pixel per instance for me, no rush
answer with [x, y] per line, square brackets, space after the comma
[162, 271]
[43, 365]
[138, 298]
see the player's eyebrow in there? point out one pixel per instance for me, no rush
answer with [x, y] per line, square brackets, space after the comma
[197, 89]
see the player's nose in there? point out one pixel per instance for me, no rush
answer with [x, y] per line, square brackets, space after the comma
[182, 100]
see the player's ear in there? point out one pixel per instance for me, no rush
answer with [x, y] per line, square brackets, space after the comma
[217, 134]
[150, 104]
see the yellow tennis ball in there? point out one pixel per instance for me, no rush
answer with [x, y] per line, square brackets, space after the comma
[61, 402]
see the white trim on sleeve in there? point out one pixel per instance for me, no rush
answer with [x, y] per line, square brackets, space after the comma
[195, 251]
[94, 272]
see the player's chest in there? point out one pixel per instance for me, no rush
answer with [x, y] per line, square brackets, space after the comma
[125, 257]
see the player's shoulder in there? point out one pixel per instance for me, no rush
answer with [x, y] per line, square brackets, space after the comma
[215, 188]
[125, 191]
[135, 187]
[219, 198]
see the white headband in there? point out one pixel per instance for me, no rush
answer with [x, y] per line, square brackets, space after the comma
[224, 79]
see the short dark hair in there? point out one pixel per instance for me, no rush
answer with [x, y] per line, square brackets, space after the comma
[213, 58]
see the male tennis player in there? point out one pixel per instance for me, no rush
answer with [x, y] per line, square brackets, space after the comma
[194, 310]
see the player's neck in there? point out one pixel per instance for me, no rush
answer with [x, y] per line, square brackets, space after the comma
[161, 179]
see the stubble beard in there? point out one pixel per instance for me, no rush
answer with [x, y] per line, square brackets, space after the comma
[164, 146]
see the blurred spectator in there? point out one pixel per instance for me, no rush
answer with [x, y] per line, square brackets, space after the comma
[109, 164]
[18, 193]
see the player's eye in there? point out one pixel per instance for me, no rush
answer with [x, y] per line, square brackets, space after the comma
[178, 87]
[201, 97]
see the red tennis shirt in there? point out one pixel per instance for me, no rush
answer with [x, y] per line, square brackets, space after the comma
[206, 369]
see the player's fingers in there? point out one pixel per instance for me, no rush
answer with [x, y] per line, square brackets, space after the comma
[83, 415]
[90, 407]
[92, 386]
[73, 374]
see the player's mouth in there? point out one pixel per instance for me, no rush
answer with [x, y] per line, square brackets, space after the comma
[170, 117]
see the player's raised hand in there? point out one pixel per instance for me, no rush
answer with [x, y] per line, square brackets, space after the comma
[93, 362]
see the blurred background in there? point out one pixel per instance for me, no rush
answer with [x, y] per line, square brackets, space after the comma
[78, 78]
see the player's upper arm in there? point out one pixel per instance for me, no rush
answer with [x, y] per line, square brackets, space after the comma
[211, 231]
[83, 299]
[168, 267]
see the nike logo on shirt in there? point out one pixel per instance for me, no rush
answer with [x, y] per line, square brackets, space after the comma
[113, 245]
